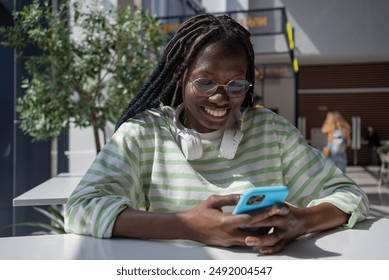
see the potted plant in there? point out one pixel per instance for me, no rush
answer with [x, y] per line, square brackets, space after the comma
[91, 61]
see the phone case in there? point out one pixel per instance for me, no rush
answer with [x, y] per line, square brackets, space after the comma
[260, 197]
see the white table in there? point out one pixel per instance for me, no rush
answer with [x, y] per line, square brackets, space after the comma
[367, 241]
[54, 191]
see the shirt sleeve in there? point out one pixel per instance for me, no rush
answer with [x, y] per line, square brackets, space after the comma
[314, 179]
[110, 185]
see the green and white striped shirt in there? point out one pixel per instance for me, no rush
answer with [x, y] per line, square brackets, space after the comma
[143, 167]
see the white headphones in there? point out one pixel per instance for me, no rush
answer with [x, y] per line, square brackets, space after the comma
[190, 141]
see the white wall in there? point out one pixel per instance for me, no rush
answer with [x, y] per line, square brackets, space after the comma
[216, 6]
[280, 95]
[82, 149]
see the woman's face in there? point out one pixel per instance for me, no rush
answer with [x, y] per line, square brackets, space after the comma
[221, 65]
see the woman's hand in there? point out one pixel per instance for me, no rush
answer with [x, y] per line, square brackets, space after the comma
[326, 151]
[206, 223]
[289, 222]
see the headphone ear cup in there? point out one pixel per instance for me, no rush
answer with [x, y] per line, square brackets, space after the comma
[230, 142]
[190, 144]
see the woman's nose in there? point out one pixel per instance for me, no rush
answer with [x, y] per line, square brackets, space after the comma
[220, 96]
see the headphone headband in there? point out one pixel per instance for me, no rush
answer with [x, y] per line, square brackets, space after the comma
[190, 140]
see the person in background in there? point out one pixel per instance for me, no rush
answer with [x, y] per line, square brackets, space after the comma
[373, 142]
[191, 142]
[338, 133]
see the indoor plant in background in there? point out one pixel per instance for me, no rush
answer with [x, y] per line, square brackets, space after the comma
[92, 62]
[89, 62]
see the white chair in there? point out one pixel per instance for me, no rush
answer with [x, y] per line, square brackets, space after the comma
[384, 171]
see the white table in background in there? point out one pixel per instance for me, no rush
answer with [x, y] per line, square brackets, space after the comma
[54, 191]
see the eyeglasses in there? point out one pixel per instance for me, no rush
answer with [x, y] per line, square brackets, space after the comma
[206, 87]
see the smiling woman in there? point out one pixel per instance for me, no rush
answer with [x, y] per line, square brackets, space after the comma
[190, 143]
[207, 108]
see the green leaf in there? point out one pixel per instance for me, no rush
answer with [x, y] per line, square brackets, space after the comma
[58, 216]
[56, 220]
[48, 227]
[53, 218]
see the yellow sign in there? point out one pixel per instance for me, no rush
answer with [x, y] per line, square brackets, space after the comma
[252, 22]
[248, 22]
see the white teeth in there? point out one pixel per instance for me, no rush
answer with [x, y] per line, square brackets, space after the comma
[216, 113]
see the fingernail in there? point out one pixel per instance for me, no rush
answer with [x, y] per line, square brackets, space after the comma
[282, 210]
[250, 241]
[263, 251]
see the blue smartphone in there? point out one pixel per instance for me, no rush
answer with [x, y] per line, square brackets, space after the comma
[260, 197]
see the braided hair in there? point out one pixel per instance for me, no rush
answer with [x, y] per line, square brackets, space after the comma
[193, 35]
